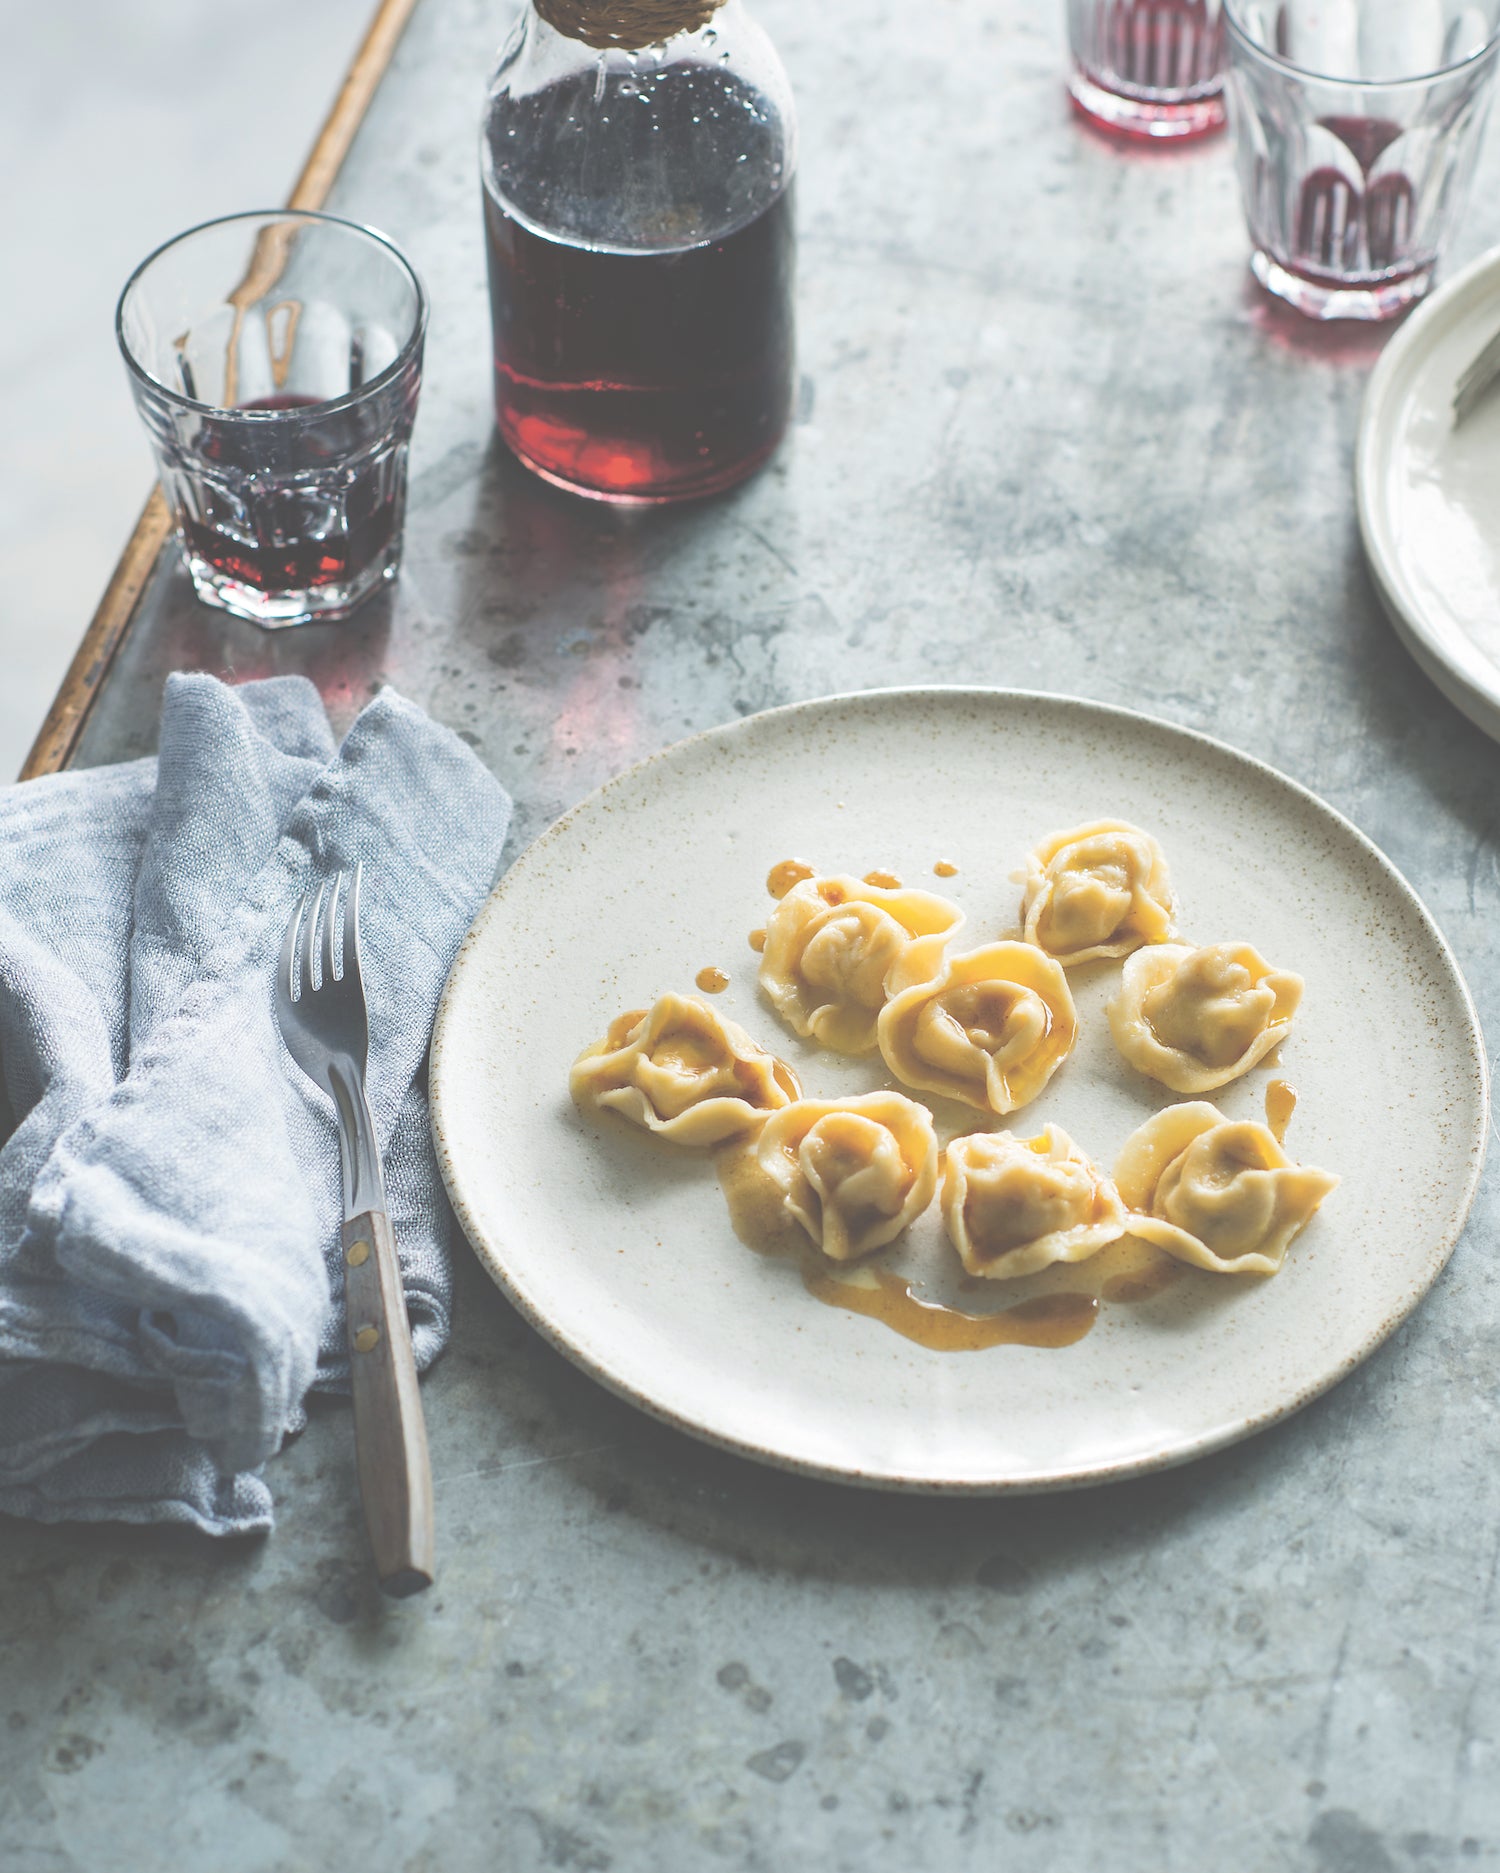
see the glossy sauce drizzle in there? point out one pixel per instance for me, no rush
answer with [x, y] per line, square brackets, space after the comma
[712, 981]
[1060, 1315]
[945, 870]
[1046, 1320]
[887, 880]
[1281, 1103]
[1143, 1284]
[781, 878]
[757, 940]
[1123, 1274]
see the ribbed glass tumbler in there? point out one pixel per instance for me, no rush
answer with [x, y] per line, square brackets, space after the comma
[276, 360]
[1148, 68]
[1357, 125]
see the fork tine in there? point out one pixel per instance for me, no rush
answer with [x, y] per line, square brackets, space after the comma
[351, 924]
[331, 945]
[313, 907]
[287, 981]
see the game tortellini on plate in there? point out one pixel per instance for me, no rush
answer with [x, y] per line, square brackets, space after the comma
[857, 965]
[683, 1071]
[833, 952]
[1195, 1019]
[1219, 1193]
[989, 1028]
[853, 1172]
[1097, 892]
[1013, 1206]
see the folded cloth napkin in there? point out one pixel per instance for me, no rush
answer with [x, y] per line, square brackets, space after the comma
[169, 1181]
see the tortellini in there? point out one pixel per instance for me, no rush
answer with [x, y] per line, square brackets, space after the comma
[832, 945]
[1195, 1019]
[1014, 1205]
[989, 1028]
[1101, 890]
[1219, 1193]
[856, 965]
[684, 1072]
[853, 1172]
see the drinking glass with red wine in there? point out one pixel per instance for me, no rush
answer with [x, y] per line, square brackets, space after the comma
[1149, 69]
[276, 360]
[1357, 126]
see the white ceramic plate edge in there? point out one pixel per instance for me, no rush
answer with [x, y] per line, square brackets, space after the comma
[1187, 1449]
[1467, 678]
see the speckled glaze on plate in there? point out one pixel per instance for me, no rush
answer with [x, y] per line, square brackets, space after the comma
[1429, 495]
[618, 1248]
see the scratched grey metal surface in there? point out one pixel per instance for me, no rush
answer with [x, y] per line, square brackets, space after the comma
[1050, 437]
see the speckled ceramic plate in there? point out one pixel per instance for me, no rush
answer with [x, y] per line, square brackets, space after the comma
[618, 1247]
[1429, 495]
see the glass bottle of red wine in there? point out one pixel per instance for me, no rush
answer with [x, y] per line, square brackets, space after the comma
[638, 158]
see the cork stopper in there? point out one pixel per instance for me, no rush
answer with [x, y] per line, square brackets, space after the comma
[629, 24]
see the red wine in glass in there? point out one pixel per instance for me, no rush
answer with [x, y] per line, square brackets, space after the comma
[289, 537]
[1348, 232]
[1148, 68]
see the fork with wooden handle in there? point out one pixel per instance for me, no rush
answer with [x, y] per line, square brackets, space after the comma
[1476, 383]
[325, 1026]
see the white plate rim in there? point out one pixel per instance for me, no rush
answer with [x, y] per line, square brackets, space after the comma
[1469, 680]
[1088, 1475]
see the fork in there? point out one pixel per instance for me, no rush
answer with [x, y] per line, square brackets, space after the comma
[1475, 384]
[326, 1029]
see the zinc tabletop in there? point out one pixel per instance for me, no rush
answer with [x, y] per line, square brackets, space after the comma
[1048, 436]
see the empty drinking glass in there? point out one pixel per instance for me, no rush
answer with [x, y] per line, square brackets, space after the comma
[276, 359]
[1148, 68]
[1357, 123]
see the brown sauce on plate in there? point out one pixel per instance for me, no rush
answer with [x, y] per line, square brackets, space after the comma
[1281, 1103]
[1122, 1274]
[781, 878]
[887, 880]
[712, 981]
[945, 870]
[1046, 1320]
[1057, 1308]
[757, 940]
[756, 1213]
[1143, 1284]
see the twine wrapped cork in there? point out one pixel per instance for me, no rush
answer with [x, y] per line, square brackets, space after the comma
[629, 24]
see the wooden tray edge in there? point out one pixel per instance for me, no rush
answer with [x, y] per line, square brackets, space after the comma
[58, 738]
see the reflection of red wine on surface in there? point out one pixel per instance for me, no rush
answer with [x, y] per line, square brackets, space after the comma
[643, 376]
[289, 553]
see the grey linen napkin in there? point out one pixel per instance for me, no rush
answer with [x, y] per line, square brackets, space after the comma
[169, 1181]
